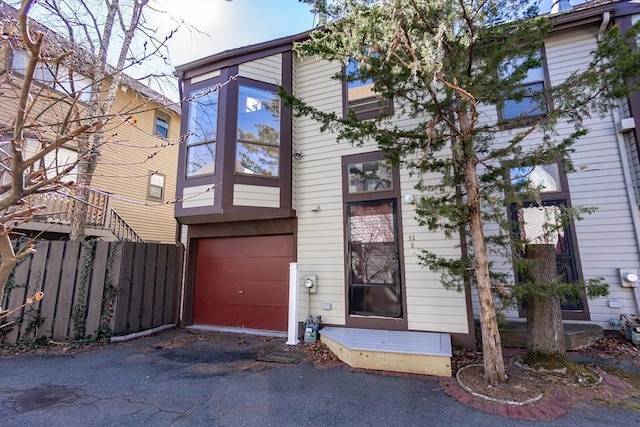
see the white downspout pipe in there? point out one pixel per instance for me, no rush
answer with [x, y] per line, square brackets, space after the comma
[294, 295]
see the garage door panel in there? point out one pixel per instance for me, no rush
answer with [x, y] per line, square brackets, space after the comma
[246, 247]
[243, 281]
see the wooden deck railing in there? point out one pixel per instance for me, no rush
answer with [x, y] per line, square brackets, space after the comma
[59, 208]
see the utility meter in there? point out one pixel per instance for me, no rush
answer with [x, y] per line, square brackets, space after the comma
[310, 283]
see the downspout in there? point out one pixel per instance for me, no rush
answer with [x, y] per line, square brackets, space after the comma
[626, 172]
[179, 234]
[628, 182]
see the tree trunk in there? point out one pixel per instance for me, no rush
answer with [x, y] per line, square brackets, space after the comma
[544, 318]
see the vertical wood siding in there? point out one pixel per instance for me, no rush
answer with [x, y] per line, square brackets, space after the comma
[129, 287]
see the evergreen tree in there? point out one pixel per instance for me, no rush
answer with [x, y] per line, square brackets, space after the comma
[444, 64]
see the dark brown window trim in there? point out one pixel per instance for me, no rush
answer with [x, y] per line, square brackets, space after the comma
[564, 195]
[357, 321]
[384, 110]
[532, 119]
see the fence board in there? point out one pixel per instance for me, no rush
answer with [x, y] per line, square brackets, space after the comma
[17, 298]
[62, 320]
[135, 306]
[125, 257]
[148, 289]
[95, 293]
[170, 294]
[51, 282]
[143, 280]
[36, 281]
[160, 283]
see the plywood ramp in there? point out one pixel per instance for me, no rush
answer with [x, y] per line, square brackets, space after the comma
[426, 353]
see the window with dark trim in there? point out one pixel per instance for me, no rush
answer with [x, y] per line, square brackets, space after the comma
[161, 125]
[258, 132]
[202, 132]
[155, 186]
[359, 96]
[532, 103]
[541, 221]
[371, 196]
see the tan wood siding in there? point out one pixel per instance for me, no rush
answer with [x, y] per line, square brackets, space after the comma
[268, 70]
[606, 239]
[132, 153]
[205, 76]
[321, 233]
[256, 195]
[197, 196]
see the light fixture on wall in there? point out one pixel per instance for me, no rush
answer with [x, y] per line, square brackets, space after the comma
[408, 199]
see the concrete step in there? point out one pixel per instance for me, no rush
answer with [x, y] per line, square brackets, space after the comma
[426, 353]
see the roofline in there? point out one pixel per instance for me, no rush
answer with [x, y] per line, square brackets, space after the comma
[282, 43]
[584, 14]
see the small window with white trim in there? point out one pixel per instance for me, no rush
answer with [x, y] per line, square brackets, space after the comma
[156, 187]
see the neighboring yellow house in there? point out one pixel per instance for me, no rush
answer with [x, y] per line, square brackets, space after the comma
[134, 181]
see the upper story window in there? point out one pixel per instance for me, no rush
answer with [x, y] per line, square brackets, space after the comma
[533, 103]
[258, 135]
[202, 132]
[54, 75]
[360, 97]
[161, 125]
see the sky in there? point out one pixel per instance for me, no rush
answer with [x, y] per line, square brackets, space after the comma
[230, 24]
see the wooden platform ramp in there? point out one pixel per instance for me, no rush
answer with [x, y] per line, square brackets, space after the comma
[398, 351]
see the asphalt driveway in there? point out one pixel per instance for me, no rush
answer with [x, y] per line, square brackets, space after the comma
[187, 378]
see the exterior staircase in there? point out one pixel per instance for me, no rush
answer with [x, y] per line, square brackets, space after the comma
[425, 353]
[56, 210]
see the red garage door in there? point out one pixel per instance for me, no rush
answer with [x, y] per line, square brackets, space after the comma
[243, 282]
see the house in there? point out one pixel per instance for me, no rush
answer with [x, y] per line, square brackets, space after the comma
[260, 189]
[134, 183]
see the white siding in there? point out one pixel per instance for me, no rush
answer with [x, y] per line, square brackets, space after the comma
[198, 196]
[205, 76]
[256, 195]
[321, 233]
[607, 238]
[268, 70]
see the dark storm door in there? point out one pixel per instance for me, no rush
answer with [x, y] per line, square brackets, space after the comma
[374, 284]
[530, 217]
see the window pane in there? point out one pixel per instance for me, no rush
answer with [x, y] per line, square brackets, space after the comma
[162, 127]
[370, 176]
[201, 159]
[258, 115]
[255, 159]
[546, 178]
[527, 107]
[374, 280]
[203, 116]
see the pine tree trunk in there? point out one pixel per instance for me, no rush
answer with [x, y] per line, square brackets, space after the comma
[491, 343]
[544, 317]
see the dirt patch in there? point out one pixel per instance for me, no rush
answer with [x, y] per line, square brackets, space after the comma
[584, 381]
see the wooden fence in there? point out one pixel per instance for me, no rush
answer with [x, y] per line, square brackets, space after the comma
[92, 289]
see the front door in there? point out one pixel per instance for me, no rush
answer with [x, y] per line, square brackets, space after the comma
[533, 219]
[374, 264]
